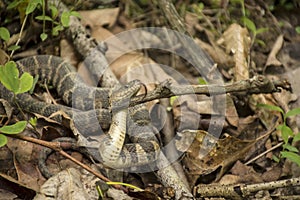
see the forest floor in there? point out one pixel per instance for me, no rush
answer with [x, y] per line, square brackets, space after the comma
[243, 138]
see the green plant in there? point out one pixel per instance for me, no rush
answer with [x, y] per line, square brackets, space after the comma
[26, 7]
[289, 138]
[250, 24]
[197, 8]
[9, 74]
[9, 78]
[102, 187]
[4, 34]
[286, 4]
[11, 129]
[297, 29]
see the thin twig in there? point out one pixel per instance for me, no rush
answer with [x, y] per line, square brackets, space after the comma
[264, 153]
[56, 147]
[20, 35]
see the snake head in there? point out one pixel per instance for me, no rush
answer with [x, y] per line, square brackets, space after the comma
[121, 95]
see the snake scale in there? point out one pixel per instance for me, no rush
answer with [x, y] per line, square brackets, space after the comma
[109, 106]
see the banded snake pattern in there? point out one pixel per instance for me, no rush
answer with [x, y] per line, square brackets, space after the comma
[108, 104]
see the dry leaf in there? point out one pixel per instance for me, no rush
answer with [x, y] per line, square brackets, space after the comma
[213, 49]
[6, 108]
[205, 153]
[272, 60]
[4, 195]
[3, 57]
[68, 53]
[23, 154]
[245, 121]
[66, 185]
[266, 116]
[117, 194]
[272, 174]
[16, 187]
[237, 42]
[185, 118]
[144, 195]
[217, 54]
[191, 20]
[100, 17]
[229, 179]
[230, 112]
[28, 175]
[246, 173]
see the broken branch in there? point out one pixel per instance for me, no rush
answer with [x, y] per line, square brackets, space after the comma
[256, 85]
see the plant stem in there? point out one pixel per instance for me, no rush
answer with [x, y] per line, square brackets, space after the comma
[44, 21]
[19, 107]
[20, 35]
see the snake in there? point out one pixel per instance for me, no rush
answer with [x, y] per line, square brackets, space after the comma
[110, 105]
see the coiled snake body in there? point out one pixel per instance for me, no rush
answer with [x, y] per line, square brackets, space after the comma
[93, 100]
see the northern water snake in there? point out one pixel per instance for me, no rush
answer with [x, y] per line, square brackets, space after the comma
[112, 151]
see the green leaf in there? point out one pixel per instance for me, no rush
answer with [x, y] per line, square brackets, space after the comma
[44, 18]
[56, 29]
[296, 137]
[270, 107]
[4, 34]
[54, 11]
[43, 36]
[202, 81]
[172, 99]
[26, 82]
[14, 129]
[32, 6]
[9, 76]
[290, 148]
[3, 140]
[275, 158]
[65, 19]
[295, 111]
[279, 127]
[261, 30]
[75, 14]
[13, 47]
[260, 42]
[14, 4]
[285, 133]
[297, 29]
[294, 157]
[33, 121]
[249, 24]
[35, 80]
[201, 6]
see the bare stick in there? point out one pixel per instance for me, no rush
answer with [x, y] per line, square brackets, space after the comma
[256, 85]
[240, 191]
[56, 147]
[264, 153]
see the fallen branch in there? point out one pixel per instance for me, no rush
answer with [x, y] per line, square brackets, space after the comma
[241, 191]
[56, 146]
[256, 85]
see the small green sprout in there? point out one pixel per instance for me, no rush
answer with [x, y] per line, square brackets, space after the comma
[289, 151]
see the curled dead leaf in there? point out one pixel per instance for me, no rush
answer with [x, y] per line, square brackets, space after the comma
[206, 153]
